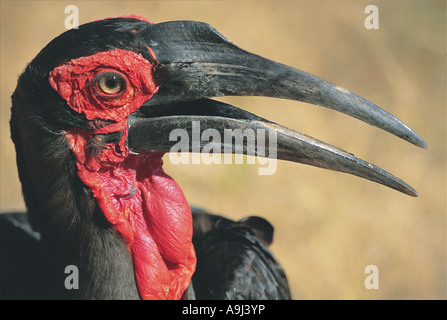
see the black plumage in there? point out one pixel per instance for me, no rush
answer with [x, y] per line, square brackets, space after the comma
[234, 261]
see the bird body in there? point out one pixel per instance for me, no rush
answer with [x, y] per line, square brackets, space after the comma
[91, 118]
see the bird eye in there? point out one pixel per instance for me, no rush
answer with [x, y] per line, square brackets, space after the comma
[111, 83]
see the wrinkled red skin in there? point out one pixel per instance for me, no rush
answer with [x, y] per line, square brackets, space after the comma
[144, 204]
[74, 81]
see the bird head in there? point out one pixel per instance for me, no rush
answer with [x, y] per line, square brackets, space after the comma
[98, 104]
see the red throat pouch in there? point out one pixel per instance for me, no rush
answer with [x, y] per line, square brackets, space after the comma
[148, 209]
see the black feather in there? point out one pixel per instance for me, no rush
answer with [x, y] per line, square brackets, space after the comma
[233, 260]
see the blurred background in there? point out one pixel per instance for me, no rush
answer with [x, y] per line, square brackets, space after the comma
[329, 226]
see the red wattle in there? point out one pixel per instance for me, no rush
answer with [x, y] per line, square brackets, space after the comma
[148, 209]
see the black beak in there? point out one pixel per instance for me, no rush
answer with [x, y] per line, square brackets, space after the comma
[196, 62]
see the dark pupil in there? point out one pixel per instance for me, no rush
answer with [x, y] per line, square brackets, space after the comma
[112, 82]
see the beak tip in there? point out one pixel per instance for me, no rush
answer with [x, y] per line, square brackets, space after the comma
[423, 144]
[408, 190]
[415, 139]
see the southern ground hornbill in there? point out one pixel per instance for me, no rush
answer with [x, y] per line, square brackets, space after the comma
[91, 119]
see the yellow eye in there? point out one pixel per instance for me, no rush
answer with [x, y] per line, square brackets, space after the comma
[111, 83]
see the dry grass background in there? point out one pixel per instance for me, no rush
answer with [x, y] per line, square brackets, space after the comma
[329, 226]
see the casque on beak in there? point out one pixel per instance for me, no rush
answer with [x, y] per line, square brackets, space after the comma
[195, 62]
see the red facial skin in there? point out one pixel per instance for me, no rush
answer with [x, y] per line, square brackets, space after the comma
[137, 197]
